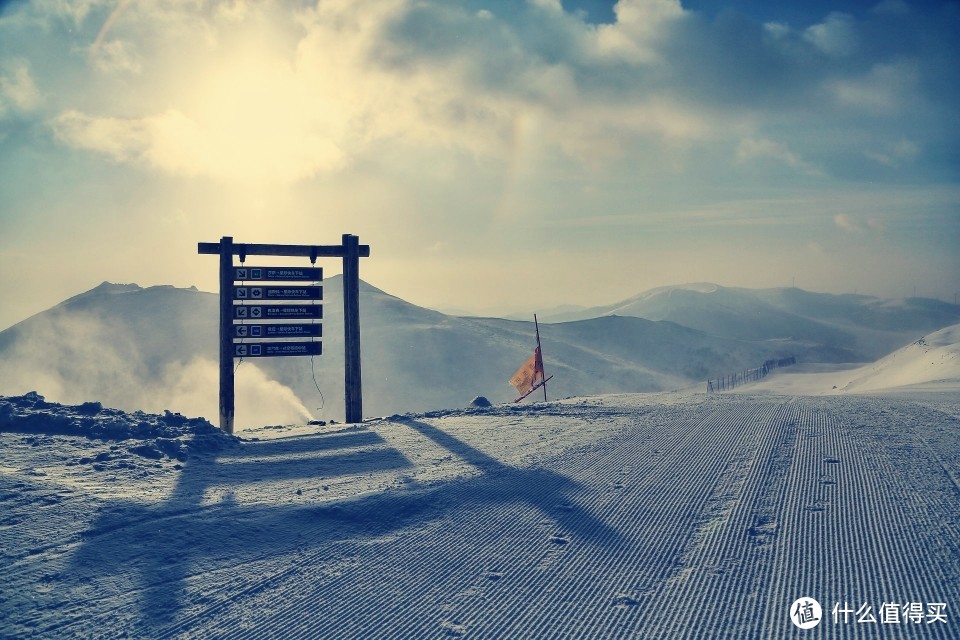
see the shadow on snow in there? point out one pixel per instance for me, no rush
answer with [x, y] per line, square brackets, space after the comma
[180, 553]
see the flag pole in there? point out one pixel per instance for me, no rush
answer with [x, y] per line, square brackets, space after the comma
[533, 388]
[536, 326]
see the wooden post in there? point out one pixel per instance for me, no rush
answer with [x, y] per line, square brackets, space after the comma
[226, 334]
[353, 395]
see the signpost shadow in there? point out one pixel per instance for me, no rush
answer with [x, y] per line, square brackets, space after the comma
[174, 562]
[549, 492]
[157, 551]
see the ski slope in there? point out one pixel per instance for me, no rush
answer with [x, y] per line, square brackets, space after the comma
[633, 516]
[930, 364]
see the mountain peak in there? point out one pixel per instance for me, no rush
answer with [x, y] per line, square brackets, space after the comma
[105, 288]
[112, 287]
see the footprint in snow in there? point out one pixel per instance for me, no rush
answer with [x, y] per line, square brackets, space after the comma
[622, 600]
[560, 539]
[453, 629]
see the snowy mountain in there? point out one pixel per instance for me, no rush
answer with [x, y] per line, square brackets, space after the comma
[153, 348]
[865, 326]
[156, 347]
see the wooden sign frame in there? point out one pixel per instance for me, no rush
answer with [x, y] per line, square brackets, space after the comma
[350, 251]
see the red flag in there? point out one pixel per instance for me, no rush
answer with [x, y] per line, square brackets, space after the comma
[527, 376]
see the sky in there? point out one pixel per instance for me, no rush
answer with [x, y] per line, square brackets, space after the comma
[497, 155]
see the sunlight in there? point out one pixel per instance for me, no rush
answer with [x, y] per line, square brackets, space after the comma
[253, 118]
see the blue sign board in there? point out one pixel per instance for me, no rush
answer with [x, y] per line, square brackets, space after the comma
[286, 330]
[289, 292]
[277, 311]
[278, 274]
[276, 349]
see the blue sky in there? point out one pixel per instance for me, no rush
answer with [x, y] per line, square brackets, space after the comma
[496, 155]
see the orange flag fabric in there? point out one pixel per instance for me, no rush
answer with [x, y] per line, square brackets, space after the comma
[527, 376]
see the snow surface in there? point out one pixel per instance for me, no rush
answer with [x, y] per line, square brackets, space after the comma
[634, 516]
[930, 364]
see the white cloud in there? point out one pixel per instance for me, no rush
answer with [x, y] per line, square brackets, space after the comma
[855, 224]
[254, 114]
[885, 89]
[74, 10]
[120, 139]
[751, 149]
[636, 34]
[233, 10]
[518, 96]
[836, 36]
[116, 56]
[891, 7]
[776, 30]
[894, 154]
[342, 78]
[177, 144]
[18, 91]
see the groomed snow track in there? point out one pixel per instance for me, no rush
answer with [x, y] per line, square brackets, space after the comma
[621, 517]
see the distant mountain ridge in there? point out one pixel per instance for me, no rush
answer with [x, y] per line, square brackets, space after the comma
[868, 326]
[150, 348]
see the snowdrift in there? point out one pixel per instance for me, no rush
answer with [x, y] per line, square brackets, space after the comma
[170, 434]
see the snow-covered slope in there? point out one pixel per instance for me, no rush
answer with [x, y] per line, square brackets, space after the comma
[856, 328]
[667, 516]
[932, 363]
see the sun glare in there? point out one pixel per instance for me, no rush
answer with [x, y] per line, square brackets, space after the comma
[255, 119]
